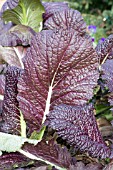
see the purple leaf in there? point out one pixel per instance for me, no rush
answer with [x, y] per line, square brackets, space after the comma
[52, 7]
[3, 67]
[60, 67]
[8, 161]
[77, 125]
[2, 84]
[104, 48]
[109, 166]
[91, 166]
[51, 152]
[107, 69]
[4, 27]
[10, 112]
[17, 35]
[9, 4]
[67, 19]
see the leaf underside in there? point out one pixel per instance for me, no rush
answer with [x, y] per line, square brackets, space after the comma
[17, 35]
[13, 55]
[52, 152]
[77, 125]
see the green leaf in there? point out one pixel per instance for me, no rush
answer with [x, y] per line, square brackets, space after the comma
[38, 135]
[13, 143]
[28, 12]
[101, 108]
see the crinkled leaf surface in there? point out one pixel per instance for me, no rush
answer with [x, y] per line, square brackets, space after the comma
[13, 55]
[10, 112]
[69, 18]
[51, 152]
[60, 67]
[104, 48]
[9, 161]
[17, 35]
[52, 7]
[77, 125]
[2, 84]
[91, 166]
[27, 13]
[107, 69]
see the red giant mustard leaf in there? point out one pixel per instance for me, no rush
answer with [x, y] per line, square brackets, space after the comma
[52, 7]
[91, 166]
[51, 152]
[77, 125]
[60, 67]
[9, 4]
[10, 112]
[9, 161]
[69, 18]
[107, 69]
[104, 48]
[2, 84]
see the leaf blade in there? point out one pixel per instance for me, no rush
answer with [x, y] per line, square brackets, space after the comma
[60, 74]
[77, 125]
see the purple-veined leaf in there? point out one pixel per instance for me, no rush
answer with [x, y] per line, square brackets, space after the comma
[68, 19]
[9, 4]
[60, 67]
[17, 35]
[52, 152]
[107, 69]
[10, 112]
[13, 55]
[2, 84]
[77, 125]
[104, 48]
[91, 166]
[52, 7]
[9, 161]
